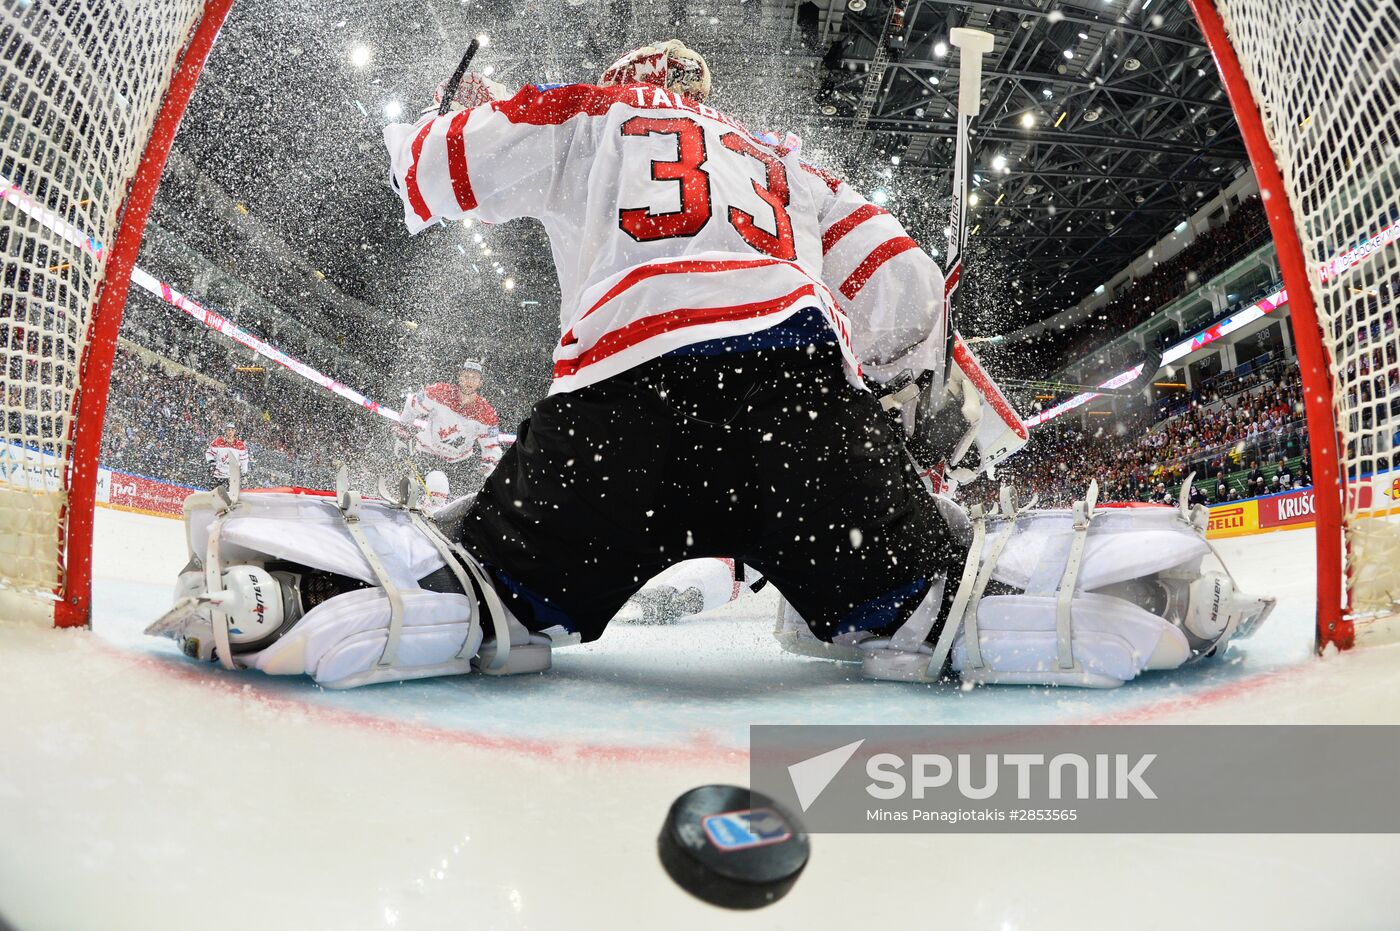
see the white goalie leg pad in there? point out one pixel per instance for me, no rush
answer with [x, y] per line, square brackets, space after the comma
[1085, 596]
[1112, 640]
[1106, 594]
[310, 530]
[391, 631]
[339, 642]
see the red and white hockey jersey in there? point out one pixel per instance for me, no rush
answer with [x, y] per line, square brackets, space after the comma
[451, 430]
[222, 454]
[671, 224]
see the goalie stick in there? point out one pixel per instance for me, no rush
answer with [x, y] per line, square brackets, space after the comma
[455, 81]
[973, 44]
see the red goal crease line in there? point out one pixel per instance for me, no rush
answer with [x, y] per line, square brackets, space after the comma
[11, 193]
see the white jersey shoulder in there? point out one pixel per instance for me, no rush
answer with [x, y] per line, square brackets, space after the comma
[672, 224]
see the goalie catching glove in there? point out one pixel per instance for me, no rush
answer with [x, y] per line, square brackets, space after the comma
[347, 591]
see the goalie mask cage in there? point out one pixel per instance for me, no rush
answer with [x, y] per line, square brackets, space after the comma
[91, 92]
[1315, 85]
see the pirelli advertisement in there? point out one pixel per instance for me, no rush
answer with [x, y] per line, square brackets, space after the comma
[1292, 509]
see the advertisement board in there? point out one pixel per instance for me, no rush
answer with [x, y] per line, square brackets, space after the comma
[26, 468]
[1298, 508]
[1236, 519]
[1289, 509]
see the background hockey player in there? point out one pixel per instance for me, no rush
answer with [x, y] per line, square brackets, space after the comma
[689, 588]
[719, 298]
[450, 427]
[227, 453]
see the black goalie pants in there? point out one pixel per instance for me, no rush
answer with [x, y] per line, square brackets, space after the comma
[770, 457]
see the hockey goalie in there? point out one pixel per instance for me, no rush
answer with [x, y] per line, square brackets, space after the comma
[726, 309]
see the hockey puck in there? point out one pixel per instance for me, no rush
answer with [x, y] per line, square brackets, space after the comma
[732, 847]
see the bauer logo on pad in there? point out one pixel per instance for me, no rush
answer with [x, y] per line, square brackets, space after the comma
[740, 830]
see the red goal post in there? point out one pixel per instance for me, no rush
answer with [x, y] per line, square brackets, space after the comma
[91, 93]
[1321, 123]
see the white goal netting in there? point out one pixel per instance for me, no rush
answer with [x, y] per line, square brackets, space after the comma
[1326, 77]
[81, 84]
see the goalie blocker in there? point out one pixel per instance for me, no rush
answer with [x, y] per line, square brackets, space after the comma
[961, 430]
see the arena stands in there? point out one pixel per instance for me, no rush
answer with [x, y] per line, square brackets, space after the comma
[162, 416]
[1225, 433]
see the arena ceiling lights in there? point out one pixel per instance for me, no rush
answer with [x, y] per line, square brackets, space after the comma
[1109, 115]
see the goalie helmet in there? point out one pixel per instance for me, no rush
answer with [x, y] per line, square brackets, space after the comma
[666, 64]
[260, 606]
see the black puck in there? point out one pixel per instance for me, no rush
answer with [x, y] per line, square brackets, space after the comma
[732, 847]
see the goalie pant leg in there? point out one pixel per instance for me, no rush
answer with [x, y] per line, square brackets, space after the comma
[852, 539]
[770, 457]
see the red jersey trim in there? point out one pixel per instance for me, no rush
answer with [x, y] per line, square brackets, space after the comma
[457, 161]
[410, 180]
[849, 222]
[685, 267]
[831, 181]
[560, 104]
[638, 331]
[878, 257]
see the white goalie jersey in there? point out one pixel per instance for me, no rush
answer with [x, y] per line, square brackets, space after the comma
[672, 224]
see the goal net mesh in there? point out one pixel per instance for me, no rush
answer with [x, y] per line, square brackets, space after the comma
[1326, 77]
[81, 84]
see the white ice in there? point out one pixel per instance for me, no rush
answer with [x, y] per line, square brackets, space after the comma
[140, 790]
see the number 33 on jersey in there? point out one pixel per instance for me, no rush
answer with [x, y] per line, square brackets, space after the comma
[672, 225]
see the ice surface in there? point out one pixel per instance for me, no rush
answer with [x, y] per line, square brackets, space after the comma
[140, 790]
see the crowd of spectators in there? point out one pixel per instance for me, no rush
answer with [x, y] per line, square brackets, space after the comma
[1210, 253]
[1241, 437]
[161, 418]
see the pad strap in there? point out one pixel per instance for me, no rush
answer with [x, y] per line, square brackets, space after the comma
[492, 601]
[912, 635]
[1064, 629]
[214, 576]
[468, 573]
[412, 500]
[1009, 511]
[349, 503]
